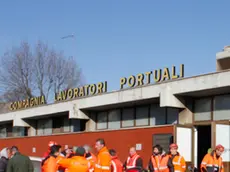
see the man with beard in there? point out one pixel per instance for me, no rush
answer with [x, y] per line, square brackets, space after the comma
[160, 161]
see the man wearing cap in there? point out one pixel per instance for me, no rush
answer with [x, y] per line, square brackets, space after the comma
[178, 161]
[209, 150]
[212, 162]
[77, 163]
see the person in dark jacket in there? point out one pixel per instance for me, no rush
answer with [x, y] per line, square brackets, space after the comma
[4, 154]
[67, 152]
[19, 162]
[192, 168]
[160, 160]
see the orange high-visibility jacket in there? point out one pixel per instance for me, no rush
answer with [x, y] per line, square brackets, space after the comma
[210, 162]
[160, 163]
[178, 163]
[92, 159]
[103, 163]
[50, 165]
[116, 165]
[58, 159]
[76, 163]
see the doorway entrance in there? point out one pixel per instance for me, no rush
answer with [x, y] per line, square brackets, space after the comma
[203, 141]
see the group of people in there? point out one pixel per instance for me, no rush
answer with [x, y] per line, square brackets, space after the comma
[161, 161]
[13, 161]
[82, 159]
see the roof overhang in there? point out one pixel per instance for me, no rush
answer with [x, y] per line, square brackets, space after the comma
[209, 84]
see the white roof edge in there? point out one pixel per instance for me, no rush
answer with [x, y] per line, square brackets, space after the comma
[121, 90]
[217, 79]
[33, 158]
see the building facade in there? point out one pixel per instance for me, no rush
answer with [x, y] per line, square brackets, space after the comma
[193, 112]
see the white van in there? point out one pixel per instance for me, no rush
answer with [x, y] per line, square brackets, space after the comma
[37, 163]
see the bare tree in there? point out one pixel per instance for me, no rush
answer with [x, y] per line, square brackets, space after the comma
[14, 95]
[26, 72]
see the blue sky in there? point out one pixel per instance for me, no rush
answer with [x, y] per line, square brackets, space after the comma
[122, 37]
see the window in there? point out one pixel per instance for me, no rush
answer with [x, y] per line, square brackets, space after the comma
[9, 129]
[158, 115]
[3, 132]
[58, 124]
[128, 117]
[48, 127]
[202, 109]
[114, 119]
[172, 115]
[102, 119]
[75, 125]
[44, 126]
[221, 109]
[142, 116]
[40, 127]
[78, 125]
[66, 126]
[163, 139]
[18, 131]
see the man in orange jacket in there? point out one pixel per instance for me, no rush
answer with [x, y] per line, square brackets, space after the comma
[177, 160]
[160, 161]
[117, 165]
[77, 163]
[212, 162]
[103, 163]
[49, 164]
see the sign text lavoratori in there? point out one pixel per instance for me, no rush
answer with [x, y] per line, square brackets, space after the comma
[86, 90]
[155, 75]
[34, 101]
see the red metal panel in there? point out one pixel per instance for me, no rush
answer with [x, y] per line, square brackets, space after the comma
[119, 140]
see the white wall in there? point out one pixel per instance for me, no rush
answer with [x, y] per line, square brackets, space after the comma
[223, 138]
[195, 141]
[184, 142]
